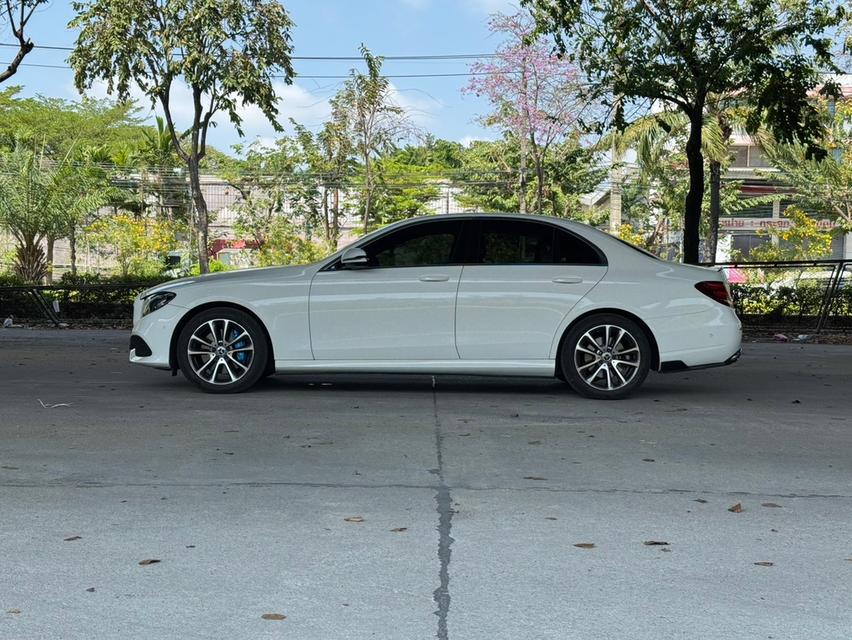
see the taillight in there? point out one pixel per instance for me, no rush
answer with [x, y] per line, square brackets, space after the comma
[716, 290]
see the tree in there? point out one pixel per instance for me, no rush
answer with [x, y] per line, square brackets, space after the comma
[16, 15]
[768, 53]
[536, 96]
[138, 245]
[227, 52]
[374, 122]
[822, 185]
[40, 202]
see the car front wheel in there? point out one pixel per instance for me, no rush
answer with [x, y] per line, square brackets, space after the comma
[222, 350]
[605, 356]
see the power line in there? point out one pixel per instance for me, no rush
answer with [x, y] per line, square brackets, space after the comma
[324, 77]
[439, 56]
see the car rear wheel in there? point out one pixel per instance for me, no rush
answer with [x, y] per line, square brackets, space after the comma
[223, 350]
[605, 356]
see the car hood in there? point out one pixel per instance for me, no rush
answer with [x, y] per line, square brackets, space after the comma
[236, 276]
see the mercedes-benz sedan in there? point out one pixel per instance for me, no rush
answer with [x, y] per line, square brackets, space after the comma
[482, 294]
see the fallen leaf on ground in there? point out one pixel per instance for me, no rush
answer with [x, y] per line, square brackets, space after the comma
[737, 508]
[764, 564]
[356, 519]
[585, 545]
[13, 610]
[148, 561]
[771, 505]
[534, 478]
[655, 543]
[274, 616]
[72, 539]
[399, 529]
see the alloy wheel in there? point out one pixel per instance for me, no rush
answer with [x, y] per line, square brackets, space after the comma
[220, 351]
[607, 357]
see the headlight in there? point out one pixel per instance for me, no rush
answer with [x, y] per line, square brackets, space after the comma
[156, 301]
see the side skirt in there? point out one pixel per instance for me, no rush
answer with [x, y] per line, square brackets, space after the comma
[525, 368]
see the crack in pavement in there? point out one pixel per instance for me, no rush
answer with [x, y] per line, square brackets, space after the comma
[444, 507]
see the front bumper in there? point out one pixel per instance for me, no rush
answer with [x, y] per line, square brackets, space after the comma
[151, 339]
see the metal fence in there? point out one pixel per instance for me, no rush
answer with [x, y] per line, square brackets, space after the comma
[802, 296]
[71, 304]
[805, 295]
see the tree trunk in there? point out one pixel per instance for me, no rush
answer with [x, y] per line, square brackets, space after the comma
[335, 221]
[48, 277]
[539, 174]
[715, 209]
[522, 179]
[368, 191]
[201, 218]
[72, 244]
[695, 195]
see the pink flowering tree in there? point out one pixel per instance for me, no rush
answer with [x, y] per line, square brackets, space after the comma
[537, 97]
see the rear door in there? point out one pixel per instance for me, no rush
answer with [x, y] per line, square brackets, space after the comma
[522, 279]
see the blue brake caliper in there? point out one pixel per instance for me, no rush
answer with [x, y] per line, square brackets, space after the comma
[240, 356]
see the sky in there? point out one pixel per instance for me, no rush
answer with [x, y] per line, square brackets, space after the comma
[325, 28]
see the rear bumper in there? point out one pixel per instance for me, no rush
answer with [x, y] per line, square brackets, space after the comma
[672, 366]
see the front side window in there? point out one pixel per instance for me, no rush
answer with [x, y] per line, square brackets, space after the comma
[421, 245]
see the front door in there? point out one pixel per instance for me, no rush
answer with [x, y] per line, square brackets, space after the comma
[399, 307]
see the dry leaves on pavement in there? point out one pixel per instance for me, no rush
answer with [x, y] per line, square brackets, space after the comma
[737, 508]
[274, 616]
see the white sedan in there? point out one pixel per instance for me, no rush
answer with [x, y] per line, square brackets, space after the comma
[481, 294]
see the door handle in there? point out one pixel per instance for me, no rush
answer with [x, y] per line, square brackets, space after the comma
[568, 280]
[438, 277]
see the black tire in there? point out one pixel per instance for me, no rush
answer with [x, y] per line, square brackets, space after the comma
[596, 370]
[245, 359]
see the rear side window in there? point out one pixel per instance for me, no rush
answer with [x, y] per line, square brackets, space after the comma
[521, 242]
[515, 242]
[420, 245]
[570, 249]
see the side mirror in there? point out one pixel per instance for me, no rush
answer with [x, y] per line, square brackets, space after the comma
[354, 258]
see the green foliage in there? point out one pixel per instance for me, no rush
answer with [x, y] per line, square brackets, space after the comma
[487, 178]
[364, 111]
[769, 54]
[822, 185]
[287, 246]
[138, 245]
[226, 52]
[41, 200]
[803, 240]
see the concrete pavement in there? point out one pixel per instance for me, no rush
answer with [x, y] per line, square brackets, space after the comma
[386, 507]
